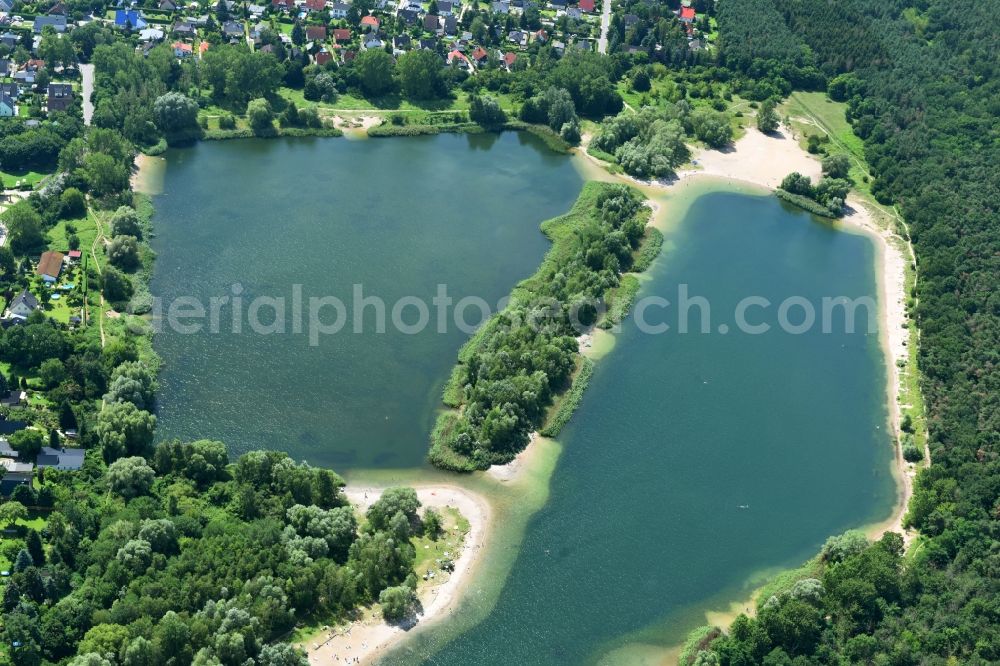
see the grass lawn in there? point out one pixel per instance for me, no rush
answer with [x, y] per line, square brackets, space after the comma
[814, 113]
[12, 178]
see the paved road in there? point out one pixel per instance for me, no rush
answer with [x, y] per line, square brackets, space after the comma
[602, 43]
[87, 73]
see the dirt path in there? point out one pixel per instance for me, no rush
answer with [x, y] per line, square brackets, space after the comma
[99, 238]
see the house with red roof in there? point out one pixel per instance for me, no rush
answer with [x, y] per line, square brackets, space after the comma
[323, 57]
[315, 5]
[341, 35]
[182, 50]
[687, 14]
[202, 47]
[509, 59]
[480, 55]
[315, 33]
[459, 58]
[370, 22]
[587, 6]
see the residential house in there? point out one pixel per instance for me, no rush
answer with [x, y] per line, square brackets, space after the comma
[5, 68]
[408, 16]
[151, 35]
[630, 20]
[9, 39]
[60, 98]
[61, 458]
[574, 13]
[445, 8]
[6, 450]
[12, 90]
[338, 10]
[450, 25]
[558, 47]
[22, 306]
[315, 5]
[6, 6]
[232, 30]
[518, 37]
[256, 11]
[372, 41]
[182, 49]
[459, 59]
[508, 60]
[369, 22]
[16, 474]
[15, 397]
[587, 6]
[500, 7]
[428, 43]
[202, 47]
[184, 29]
[323, 56]
[168, 6]
[341, 34]
[73, 256]
[129, 18]
[57, 21]
[401, 42]
[315, 33]
[8, 108]
[288, 5]
[432, 23]
[687, 14]
[558, 4]
[480, 56]
[50, 264]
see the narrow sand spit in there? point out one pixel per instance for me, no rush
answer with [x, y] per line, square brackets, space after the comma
[365, 640]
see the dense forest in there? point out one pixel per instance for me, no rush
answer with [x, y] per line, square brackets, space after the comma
[922, 82]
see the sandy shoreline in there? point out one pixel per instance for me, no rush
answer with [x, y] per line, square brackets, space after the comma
[763, 160]
[367, 639]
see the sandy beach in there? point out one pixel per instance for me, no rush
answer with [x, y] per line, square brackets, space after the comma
[763, 160]
[365, 640]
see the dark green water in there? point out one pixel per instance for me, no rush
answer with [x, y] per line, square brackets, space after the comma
[396, 216]
[676, 432]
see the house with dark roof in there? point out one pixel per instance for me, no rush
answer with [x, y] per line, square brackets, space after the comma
[8, 108]
[62, 459]
[57, 21]
[184, 29]
[49, 266]
[315, 33]
[339, 10]
[432, 23]
[60, 97]
[232, 29]
[450, 25]
[168, 6]
[22, 305]
[15, 474]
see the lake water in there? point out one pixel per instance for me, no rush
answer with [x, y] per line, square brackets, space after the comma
[697, 460]
[398, 217]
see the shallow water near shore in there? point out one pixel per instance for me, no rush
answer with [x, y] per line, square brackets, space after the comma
[698, 463]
